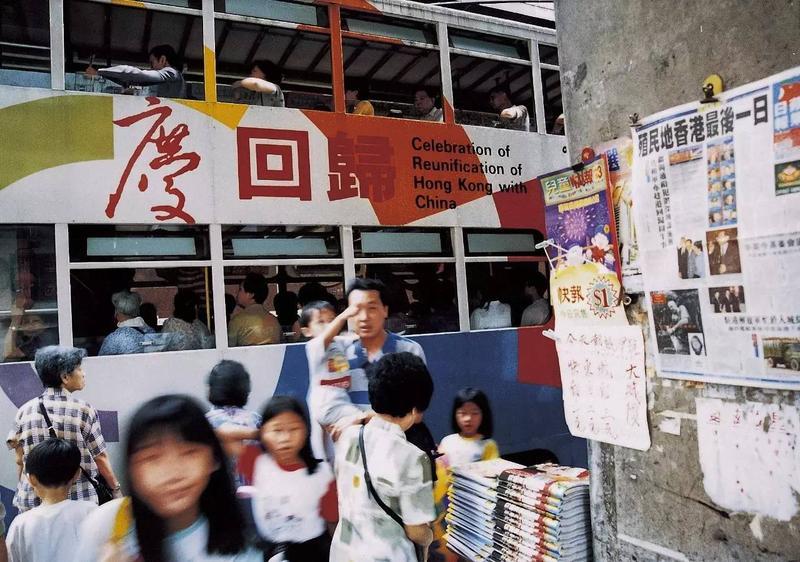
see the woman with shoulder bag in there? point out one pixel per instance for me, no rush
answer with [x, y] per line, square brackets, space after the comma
[56, 412]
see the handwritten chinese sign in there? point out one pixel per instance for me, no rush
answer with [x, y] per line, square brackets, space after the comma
[603, 381]
[750, 455]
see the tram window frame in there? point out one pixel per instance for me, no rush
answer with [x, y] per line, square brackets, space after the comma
[80, 236]
[29, 288]
[263, 12]
[401, 315]
[445, 242]
[328, 235]
[78, 58]
[473, 57]
[309, 88]
[22, 70]
[152, 279]
[553, 105]
[379, 50]
[514, 263]
[278, 282]
[194, 267]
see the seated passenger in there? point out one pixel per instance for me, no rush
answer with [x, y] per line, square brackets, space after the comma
[191, 332]
[262, 87]
[130, 335]
[511, 116]
[285, 303]
[425, 104]
[163, 73]
[491, 314]
[356, 93]
[253, 325]
[538, 312]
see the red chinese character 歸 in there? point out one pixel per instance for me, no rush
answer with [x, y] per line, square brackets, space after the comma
[361, 167]
[168, 146]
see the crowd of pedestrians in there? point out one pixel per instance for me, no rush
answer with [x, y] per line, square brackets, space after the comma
[353, 476]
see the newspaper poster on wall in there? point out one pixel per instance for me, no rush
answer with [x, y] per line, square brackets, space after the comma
[717, 192]
[604, 384]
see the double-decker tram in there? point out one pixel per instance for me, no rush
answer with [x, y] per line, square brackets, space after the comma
[170, 149]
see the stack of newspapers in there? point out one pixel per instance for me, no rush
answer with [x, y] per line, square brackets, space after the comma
[504, 512]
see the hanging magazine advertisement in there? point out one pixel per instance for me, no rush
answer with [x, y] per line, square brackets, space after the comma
[619, 155]
[578, 213]
[717, 192]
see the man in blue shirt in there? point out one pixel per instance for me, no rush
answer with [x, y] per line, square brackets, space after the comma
[343, 401]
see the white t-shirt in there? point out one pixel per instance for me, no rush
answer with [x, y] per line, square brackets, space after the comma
[458, 450]
[287, 503]
[495, 315]
[188, 545]
[47, 532]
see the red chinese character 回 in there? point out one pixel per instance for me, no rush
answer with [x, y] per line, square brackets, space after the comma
[168, 145]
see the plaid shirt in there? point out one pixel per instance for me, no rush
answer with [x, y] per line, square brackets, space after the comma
[73, 420]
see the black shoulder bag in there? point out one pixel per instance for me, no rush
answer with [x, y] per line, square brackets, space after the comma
[419, 550]
[101, 487]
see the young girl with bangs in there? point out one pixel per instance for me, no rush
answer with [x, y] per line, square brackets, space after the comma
[181, 506]
[293, 493]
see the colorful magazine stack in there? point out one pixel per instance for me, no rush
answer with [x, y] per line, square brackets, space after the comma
[500, 511]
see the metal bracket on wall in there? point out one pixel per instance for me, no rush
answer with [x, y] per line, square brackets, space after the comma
[712, 87]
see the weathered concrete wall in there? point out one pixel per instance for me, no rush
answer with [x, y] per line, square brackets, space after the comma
[619, 57]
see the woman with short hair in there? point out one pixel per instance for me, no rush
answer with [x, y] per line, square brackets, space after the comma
[61, 373]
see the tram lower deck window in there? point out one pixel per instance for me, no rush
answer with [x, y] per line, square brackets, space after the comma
[505, 293]
[28, 310]
[263, 302]
[142, 310]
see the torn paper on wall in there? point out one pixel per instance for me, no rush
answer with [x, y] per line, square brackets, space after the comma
[750, 456]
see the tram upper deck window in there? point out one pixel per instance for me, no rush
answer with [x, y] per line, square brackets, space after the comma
[274, 66]
[124, 303]
[25, 43]
[28, 309]
[279, 10]
[391, 67]
[492, 81]
[504, 293]
[553, 108]
[418, 268]
[134, 50]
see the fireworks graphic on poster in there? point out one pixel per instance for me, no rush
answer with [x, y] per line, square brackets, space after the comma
[574, 225]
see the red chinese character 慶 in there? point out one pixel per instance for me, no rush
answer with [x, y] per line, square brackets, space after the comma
[168, 145]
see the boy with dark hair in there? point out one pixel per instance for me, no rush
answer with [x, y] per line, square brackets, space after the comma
[398, 472]
[50, 531]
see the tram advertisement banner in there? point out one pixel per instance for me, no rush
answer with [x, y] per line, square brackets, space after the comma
[578, 213]
[717, 193]
[125, 159]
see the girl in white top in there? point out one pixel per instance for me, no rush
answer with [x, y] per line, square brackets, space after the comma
[294, 493]
[471, 442]
[182, 505]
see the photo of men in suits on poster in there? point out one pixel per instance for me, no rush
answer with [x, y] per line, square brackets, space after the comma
[723, 251]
